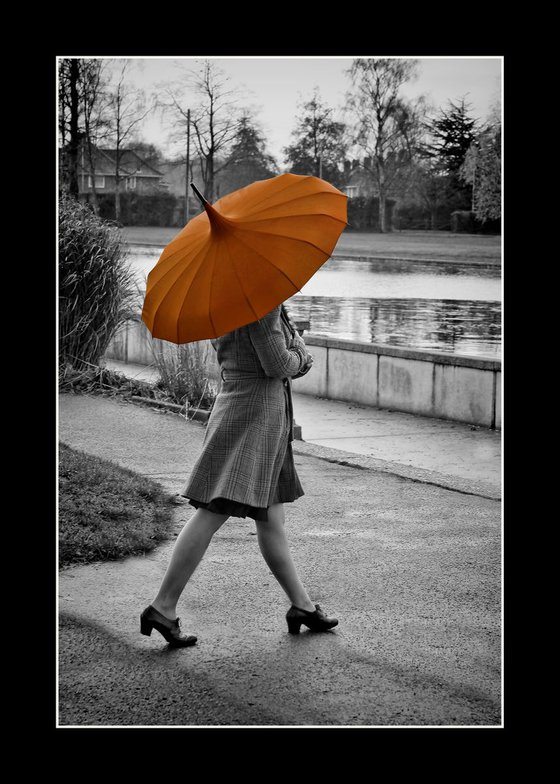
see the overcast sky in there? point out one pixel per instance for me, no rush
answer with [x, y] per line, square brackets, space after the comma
[274, 86]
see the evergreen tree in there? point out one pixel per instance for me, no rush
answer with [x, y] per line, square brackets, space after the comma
[451, 134]
[248, 159]
[249, 150]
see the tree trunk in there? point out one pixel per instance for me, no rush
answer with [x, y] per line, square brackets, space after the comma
[117, 184]
[433, 218]
[94, 202]
[382, 210]
[382, 195]
[209, 195]
[74, 133]
[117, 199]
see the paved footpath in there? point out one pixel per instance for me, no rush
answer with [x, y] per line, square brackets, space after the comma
[406, 557]
[452, 454]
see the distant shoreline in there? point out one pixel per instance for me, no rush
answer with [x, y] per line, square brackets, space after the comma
[488, 264]
[408, 247]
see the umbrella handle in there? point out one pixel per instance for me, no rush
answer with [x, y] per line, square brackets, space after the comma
[199, 194]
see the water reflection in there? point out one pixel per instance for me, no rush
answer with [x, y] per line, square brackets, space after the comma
[383, 278]
[402, 266]
[435, 306]
[466, 327]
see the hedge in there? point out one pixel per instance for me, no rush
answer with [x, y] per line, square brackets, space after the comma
[465, 221]
[157, 209]
[412, 216]
[165, 209]
[363, 213]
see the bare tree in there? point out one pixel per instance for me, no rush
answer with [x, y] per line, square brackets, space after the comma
[384, 122]
[94, 104]
[69, 119]
[126, 110]
[214, 116]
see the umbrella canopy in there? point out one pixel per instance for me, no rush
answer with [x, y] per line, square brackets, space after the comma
[243, 256]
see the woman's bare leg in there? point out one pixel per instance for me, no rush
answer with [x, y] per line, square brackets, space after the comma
[276, 552]
[189, 548]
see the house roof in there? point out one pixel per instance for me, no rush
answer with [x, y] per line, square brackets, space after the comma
[130, 163]
[130, 160]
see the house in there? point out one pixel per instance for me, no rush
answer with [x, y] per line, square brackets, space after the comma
[358, 180]
[134, 172]
[174, 173]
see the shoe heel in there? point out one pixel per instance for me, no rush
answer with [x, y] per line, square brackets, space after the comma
[145, 627]
[294, 626]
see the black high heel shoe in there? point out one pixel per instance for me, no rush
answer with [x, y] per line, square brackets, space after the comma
[152, 619]
[317, 621]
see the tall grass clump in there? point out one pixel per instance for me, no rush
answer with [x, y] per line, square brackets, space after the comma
[189, 373]
[96, 285]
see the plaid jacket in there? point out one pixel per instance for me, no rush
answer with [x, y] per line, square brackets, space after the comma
[247, 452]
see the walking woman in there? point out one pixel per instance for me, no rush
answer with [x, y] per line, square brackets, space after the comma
[246, 469]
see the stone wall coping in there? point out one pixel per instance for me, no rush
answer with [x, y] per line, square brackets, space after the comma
[381, 349]
[439, 358]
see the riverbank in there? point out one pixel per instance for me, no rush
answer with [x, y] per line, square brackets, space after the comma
[420, 246]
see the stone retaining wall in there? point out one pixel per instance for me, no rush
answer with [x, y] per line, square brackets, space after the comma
[446, 386]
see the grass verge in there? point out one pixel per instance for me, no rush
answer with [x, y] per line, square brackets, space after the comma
[107, 512]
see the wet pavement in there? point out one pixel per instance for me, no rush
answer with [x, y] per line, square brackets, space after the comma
[407, 557]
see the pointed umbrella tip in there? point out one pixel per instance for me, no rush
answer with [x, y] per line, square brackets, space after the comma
[216, 220]
[199, 194]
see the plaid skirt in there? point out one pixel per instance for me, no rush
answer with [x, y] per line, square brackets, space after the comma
[247, 462]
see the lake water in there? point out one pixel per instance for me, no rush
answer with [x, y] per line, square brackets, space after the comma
[453, 308]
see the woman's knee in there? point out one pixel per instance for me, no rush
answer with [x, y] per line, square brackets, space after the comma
[276, 512]
[211, 519]
[275, 518]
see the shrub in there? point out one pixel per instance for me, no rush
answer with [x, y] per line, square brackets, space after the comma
[463, 221]
[96, 285]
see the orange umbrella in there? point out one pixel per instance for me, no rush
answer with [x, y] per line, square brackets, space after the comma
[243, 256]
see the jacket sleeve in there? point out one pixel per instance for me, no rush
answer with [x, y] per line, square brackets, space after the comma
[267, 337]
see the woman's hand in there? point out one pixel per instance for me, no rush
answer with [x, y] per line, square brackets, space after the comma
[305, 368]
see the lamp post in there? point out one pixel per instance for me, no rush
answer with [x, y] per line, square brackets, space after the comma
[187, 213]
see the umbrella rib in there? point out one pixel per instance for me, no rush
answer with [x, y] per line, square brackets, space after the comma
[270, 262]
[290, 201]
[267, 198]
[194, 277]
[210, 294]
[176, 262]
[240, 280]
[290, 217]
[295, 239]
[182, 242]
[176, 282]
